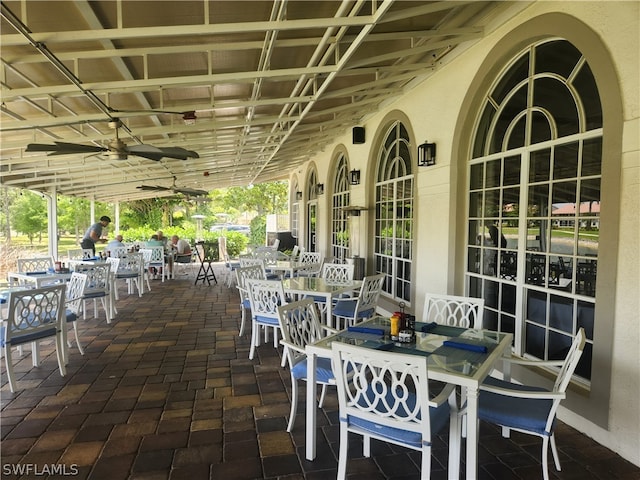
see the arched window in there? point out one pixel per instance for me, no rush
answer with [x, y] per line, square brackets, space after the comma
[394, 214]
[295, 208]
[534, 202]
[340, 246]
[312, 211]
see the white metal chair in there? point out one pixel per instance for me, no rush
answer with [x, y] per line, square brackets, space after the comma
[385, 396]
[156, 261]
[528, 409]
[337, 272]
[333, 272]
[300, 326]
[119, 252]
[255, 272]
[98, 287]
[232, 266]
[35, 265]
[265, 296]
[33, 315]
[183, 261]
[314, 262]
[455, 311]
[349, 311]
[131, 269]
[146, 258]
[79, 253]
[74, 294]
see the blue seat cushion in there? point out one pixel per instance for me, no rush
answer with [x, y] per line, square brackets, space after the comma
[71, 317]
[267, 320]
[523, 413]
[98, 294]
[324, 374]
[346, 308]
[246, 303]
[317, 298]
[126, 274]
[439, 416]
[18, 339]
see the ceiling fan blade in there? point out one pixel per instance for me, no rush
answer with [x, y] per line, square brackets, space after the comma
[146, 151]
[156, 188]
[179, 153]
[193, 192]
[64, 148]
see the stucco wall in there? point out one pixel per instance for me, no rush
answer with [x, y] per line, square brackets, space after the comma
[435, 111]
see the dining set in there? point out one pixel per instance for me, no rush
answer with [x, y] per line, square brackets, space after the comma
[448, 372]
[446, 375]
[44, 298]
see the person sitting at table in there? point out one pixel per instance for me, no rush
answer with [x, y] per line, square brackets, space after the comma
[180, 245]
[93, 234]
[115, 243]
[155, 242]
[181, 252]
[163, 239]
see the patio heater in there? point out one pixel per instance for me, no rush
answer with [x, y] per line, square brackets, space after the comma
[198, 218]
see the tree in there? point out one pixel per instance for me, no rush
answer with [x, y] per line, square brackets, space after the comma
[74, 215]
[7, 198]
[263, 198]
[29, 215]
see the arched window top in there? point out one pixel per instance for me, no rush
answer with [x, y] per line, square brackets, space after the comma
[313, 185]
[341, 182]
[564, 100]
[395, 156]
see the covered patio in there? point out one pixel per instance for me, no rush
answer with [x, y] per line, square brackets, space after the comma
[532, 105]
[166, 391]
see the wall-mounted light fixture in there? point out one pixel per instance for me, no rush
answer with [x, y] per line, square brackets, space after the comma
[426, 154]
[298, 195]
[320, 188]
[189, 118]
[354, 177]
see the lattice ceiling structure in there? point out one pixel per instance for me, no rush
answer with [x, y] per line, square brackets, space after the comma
[254, 87]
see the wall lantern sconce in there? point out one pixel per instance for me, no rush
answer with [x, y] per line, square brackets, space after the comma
[354, 177]
[426, 154]
[298, 195]
[320, 188]
[189, 118]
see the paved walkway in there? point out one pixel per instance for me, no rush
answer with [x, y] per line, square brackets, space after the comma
[167, 392]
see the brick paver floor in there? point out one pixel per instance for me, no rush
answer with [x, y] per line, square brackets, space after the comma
[166, 391]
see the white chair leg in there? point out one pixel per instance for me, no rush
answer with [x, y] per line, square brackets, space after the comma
[35, 354]
[243, 319]
[322, 395]
[366, 446]
[10, 374]
[294, 404]
[75, 331]
[545, 458]
[255, 336]
[342, 456]
[554, 451]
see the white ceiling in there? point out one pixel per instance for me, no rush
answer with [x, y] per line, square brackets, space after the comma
[271, 83]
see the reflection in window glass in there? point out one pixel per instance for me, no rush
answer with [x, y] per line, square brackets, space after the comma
[565, 161]
[545, 201]
[541, 128]
[539, 166]
[340, 235]
[394, 214]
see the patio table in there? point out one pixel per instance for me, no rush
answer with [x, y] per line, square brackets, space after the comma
[318, 286]
[465, 368]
